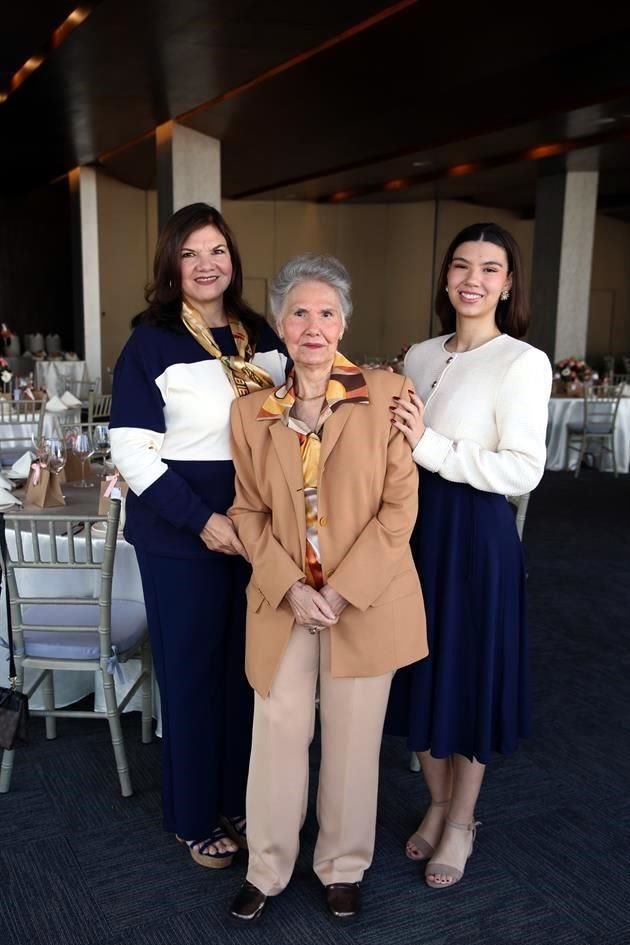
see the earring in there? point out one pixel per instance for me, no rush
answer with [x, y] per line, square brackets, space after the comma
[505, 295]
[446, 289]
[170, 283]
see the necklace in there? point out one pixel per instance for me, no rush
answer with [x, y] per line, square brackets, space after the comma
[316, 397]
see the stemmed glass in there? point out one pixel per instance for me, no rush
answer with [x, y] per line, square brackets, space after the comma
[56, 455]
[83, 448]
[101, 437]
[40, 448]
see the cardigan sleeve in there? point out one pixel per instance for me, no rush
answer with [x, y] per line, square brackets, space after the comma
[521, 411]
[137, 431]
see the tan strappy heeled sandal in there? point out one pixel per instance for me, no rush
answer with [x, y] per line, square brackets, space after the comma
[424, 848]
[445, 869]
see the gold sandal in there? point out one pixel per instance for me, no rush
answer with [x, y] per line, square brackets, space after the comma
[424, 848]
[445, 869]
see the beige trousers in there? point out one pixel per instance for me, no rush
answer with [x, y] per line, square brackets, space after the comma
[352, 712]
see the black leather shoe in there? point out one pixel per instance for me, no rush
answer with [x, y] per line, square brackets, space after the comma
[248, 903]
[344, 899]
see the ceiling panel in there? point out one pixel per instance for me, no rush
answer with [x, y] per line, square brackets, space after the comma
[427, 86]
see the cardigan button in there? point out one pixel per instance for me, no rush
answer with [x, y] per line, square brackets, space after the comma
[434, 384]
[448, 360]
[323, 521]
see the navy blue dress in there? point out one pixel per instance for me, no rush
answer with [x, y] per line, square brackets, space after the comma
[470, 696]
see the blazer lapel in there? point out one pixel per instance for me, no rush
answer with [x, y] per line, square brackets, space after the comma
[285, 442]
[332, 431]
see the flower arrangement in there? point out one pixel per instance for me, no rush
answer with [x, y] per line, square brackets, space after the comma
[6, 375]
[572, 369]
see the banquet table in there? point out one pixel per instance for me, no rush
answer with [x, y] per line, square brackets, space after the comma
[52, 375]
[70, 687]
[564, 410]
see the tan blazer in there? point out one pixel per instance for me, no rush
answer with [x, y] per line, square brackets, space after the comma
[367, 503]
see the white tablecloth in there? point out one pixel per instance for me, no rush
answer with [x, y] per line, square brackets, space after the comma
[72, 686]
[564, 410]
[51, 375]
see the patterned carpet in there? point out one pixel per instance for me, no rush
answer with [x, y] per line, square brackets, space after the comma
[81, 865]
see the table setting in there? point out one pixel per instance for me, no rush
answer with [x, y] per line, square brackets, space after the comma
[571, 378]
[88, 495]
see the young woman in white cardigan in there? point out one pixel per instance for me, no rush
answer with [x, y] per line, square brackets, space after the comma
[476, 424]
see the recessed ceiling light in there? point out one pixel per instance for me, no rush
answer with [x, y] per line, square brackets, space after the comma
[608, 120]
[421, 163]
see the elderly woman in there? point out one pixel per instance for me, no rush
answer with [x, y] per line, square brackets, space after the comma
[326, 495]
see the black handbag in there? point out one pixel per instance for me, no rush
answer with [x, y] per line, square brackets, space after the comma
[13, 704]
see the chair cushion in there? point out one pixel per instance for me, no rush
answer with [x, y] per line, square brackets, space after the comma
[129, 628]
[601, 429]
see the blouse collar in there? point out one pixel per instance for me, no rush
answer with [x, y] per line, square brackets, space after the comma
[345, 385]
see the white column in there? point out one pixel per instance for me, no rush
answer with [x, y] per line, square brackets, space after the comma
[574, 289]
[566, 205]
[87, 286]
[188, 169]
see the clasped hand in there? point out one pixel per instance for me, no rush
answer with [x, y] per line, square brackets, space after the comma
[219, 534]
[317, 609]
[408, 417]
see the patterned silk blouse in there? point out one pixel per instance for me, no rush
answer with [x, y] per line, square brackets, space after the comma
[346, 385]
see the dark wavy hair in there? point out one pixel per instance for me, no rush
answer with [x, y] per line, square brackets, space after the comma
[164, 293]
[512, 316]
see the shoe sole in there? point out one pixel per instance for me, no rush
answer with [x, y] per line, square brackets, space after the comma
[208, 861]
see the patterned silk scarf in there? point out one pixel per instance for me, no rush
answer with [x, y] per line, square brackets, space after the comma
[345, 385]
[243, 376]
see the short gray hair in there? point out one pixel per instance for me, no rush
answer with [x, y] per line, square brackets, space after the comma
[311, 268]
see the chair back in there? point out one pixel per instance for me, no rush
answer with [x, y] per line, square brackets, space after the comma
[520, 503]
[46, 543]
[80, 388]
[601, 404]
[99, 407]
[20, 421]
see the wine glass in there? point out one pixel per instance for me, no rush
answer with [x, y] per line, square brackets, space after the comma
[40, 448]
[101, 437]
[101, 441]
[56, 455]
[83, 448]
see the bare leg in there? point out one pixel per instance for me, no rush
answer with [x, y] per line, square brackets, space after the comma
[438, 775]
[455, 845]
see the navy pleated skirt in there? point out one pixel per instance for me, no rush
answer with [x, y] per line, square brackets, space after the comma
[470, 695]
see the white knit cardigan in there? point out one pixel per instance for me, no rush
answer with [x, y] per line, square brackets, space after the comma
[485, 412]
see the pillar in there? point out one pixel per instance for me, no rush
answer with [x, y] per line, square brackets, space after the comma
[566, 205]
[188, 169]
[86, 263]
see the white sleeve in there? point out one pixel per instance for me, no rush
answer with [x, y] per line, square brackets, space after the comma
[521, 411]
[136, 453]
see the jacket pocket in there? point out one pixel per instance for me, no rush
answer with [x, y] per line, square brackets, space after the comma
[255, 597]
[402, 585]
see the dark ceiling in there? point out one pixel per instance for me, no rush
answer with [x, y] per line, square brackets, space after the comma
[382, 102]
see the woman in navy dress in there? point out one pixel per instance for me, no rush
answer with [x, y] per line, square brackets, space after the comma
[196, 348]
[476, 424]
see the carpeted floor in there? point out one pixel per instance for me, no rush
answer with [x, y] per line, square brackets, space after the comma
[79, 865]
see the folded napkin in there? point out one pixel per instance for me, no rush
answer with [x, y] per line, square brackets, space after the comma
[56, 405]
[7, 500]
[22, 466]
[5, 483]
[70, 400]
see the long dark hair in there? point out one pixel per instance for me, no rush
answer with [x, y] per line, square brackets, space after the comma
[511, 316]
[164, 293]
